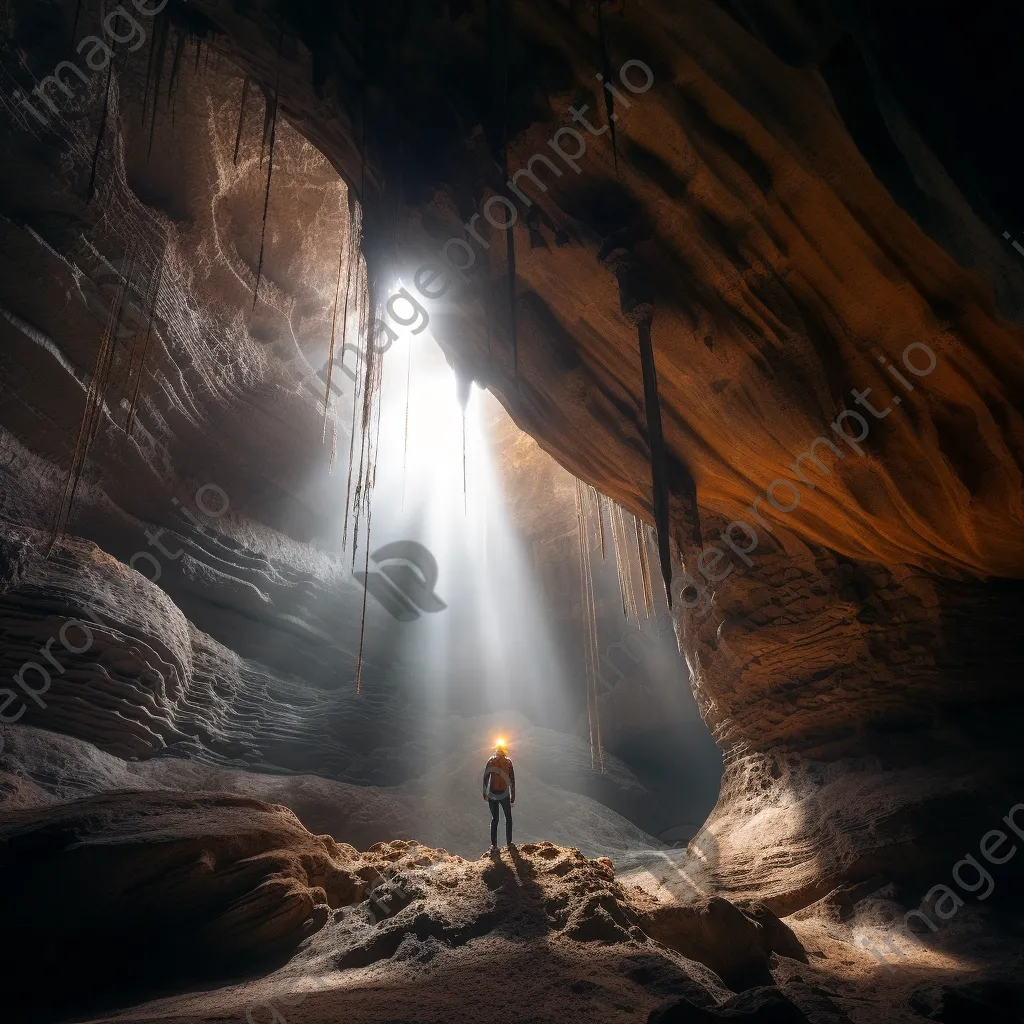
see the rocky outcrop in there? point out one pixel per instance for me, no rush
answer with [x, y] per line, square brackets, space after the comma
[211, 880]
[219, 883]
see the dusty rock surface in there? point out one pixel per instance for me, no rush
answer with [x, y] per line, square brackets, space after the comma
[223, 883]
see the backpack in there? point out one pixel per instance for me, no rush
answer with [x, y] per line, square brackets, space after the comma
[498, 783]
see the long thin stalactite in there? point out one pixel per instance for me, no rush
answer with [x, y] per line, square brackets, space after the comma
[164, 31]
[583, 606]
[645, 567]
[92, 413]
[99, 136]
[334, 326]
[241, 116]
[585, 505]
[659, 459]
[266, 199]
[606, 74]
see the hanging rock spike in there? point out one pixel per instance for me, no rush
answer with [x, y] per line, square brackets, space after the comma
[102, 132]
[241, 116]
[266, 200]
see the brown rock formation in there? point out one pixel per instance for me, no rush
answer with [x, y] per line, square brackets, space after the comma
[212, 880]
[220, 882]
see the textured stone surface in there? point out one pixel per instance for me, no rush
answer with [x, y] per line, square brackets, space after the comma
[212, 880]
[221, 882]
[783, 201]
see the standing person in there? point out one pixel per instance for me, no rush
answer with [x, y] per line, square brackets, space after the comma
[500, 790]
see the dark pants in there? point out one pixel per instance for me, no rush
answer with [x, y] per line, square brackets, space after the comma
[506, 806]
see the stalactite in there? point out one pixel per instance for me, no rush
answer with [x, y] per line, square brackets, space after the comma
[621, 572]
[163, 30]
[659, 460]
[594, 649]
[370, 402]
[369, 447]
[149, 74]
[583, 609]
[270, 111]
[590, 648]
[408, 396]
[592, 621]
[334, 325]
[645, 569]
[352, 435]
[268, 119]
[102, 132]
[636, 300]
[92, 412]
[74, 27]
[367, 452]
[179, 52]
[362, 622]
[463, 384]
[621, 537]
[606, 74]
[266, 200]
[593, 509]
[376, 437]
[358, 499]
[241, 117]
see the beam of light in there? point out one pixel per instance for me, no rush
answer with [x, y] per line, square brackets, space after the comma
[491, 649]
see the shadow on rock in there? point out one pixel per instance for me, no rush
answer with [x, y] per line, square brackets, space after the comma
[758, 1006]
[735, 944]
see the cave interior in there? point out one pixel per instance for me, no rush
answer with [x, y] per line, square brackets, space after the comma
[636, 384]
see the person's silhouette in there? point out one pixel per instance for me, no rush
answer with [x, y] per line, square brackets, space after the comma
[500, 790]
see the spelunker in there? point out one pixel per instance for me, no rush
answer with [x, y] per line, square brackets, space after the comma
[500, 790]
